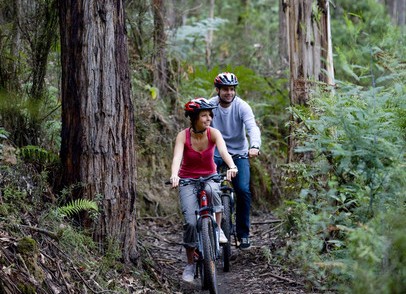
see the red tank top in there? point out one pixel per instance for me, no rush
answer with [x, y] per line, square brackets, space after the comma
[197, 164]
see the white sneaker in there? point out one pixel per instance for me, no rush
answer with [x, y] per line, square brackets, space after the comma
[189, 273]
[223, 238]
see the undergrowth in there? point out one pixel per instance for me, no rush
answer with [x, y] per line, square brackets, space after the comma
[348, 216]
[27, 214]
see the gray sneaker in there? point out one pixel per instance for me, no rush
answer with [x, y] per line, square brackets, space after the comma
[189, 273]
[245, 243]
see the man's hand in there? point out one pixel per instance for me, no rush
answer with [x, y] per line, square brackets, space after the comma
[253, 152]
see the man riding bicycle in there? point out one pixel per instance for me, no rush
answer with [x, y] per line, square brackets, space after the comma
[234, 118]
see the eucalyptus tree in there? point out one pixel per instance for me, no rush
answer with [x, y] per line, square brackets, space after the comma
[310, 52]
[397, 10]
[98, 149]
[160, 61]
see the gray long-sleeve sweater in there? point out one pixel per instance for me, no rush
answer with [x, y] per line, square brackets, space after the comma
[234, 123]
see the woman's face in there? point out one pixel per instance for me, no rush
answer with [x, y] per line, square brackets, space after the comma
[204, 119]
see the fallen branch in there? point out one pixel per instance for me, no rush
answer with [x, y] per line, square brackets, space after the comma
[267, 222]
[157, 217]
[42, 231]
[63, 276]
[284, 279]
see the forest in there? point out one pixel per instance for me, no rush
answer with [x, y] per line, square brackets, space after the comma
[92, 96]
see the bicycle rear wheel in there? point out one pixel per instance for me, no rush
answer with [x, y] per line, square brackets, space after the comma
[209, 252]
[226, 227]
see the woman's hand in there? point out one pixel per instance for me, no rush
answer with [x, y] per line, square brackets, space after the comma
[175, 181]
[232, 172]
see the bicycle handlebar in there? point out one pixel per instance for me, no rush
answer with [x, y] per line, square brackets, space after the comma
[240, 156]
[184, 182]
[216, 177]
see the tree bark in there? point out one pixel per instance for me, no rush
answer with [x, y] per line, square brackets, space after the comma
[310, 52]
[98, 149]
[160, 71]
[44, 37]
[209, 37]
[397, 11]
[283, 36]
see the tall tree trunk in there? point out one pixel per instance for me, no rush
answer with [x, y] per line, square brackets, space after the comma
[44, 37]
[15, 49]
[98, 149]
[283, 35]
[397, 11]
[10, 15]
[310, 52]
[160, 71]
[209, 37]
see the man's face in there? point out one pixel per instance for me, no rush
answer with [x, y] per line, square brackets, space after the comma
[226, 93]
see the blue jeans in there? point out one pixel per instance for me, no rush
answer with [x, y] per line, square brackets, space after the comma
[241, 184]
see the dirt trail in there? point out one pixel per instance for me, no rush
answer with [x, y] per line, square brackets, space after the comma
[251, 271]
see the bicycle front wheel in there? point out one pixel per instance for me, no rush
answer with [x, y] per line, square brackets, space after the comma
[209, 252]
[226, 227]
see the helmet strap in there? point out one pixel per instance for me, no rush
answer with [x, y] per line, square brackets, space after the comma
[197, 132]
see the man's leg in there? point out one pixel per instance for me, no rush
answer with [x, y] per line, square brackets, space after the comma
[241, 185]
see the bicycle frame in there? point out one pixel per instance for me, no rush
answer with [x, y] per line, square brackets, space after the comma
[208, 247]
[228, 221]
[205, 208]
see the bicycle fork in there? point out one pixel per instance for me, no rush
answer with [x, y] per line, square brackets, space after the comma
[203, 212]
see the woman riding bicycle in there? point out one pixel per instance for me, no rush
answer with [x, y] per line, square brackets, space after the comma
[193, 158]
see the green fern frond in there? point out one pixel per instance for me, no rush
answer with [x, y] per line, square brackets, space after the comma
[75, 206]
[38, 155]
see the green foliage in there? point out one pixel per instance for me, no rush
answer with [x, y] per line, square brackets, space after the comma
[13, 194]
[250, 38]
[78, 205]
[343, 220]
[188, 42]
[3, 135]
[358, 28]
[31, 122]
[78, 243]
[111, 259]
[38, 156]
[27, 246]
[377, 253]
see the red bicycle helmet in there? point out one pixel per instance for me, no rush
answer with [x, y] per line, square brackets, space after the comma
[225, 79]
[196, 105]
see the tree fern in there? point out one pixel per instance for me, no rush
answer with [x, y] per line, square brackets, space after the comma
[75, 206]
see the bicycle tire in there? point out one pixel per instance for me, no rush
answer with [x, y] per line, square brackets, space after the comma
[209, 253]
[200, 272]
[226, 227]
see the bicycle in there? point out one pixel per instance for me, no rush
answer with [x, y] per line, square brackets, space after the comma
[227, 221]
[208, 248]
